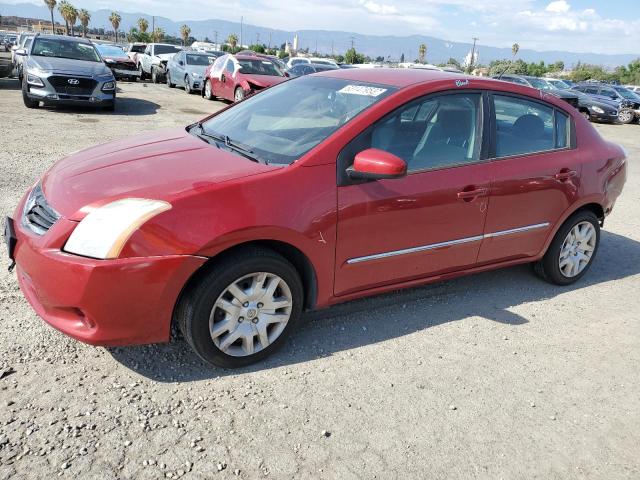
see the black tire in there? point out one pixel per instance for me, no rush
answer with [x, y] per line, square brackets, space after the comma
[169, 84]
[204, 90]
[142, 74]
[154, 75]
[549, 267]
[187, 86]
[585, 113]
[28, 102]
[197, 302]
[626, 116]
[238, 94]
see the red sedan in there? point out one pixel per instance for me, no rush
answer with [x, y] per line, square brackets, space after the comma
[233, 77]
[323, 189]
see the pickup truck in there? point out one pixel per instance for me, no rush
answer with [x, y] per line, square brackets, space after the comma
[152, 63]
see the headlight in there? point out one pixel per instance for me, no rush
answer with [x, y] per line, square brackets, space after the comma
[109, 86]
[109, 60]
[104, 232]
[597, 109]
[33, 80]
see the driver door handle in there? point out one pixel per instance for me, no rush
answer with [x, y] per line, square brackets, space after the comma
[468, 195]
[565, 175]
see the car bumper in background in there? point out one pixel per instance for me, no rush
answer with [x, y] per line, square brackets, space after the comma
[101, 302]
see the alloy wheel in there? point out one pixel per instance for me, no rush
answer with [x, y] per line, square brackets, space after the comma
[207, 89]
[250, 314]
[625, 116]
[238, 95]
[577, 249]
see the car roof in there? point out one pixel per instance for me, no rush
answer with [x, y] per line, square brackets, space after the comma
[65, 37]
[396, 77]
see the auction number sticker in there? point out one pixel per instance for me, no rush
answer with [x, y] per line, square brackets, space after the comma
[362, 90]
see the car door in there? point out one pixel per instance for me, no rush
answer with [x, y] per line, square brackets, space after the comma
[429, 222]
[535, 173]
[179, 62]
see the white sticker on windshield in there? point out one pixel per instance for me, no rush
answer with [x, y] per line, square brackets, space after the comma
[362, 90]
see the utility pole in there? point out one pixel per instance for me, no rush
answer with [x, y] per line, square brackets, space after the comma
[215, 38]
[353, 39]
[473, 52]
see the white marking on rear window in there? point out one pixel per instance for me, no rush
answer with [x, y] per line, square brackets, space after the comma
[362, 90]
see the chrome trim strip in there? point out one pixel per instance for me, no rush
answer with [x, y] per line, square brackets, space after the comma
[450, 243]
[415, 249]
[517, 230]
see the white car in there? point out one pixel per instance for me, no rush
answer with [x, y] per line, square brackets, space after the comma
[153, 61]
[316, 60]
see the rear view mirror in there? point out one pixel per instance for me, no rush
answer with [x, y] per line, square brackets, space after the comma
[375, 164]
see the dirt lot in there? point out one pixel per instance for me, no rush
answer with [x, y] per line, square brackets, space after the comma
[497, 375]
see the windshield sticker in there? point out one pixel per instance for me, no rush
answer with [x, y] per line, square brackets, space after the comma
[362, 90]
[462, 83]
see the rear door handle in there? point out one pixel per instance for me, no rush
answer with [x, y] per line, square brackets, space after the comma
[468, 195]
[565, 175]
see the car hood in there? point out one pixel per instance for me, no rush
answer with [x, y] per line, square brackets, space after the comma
[165, 165]
[199, 69]
[263, 80]
[66, 65]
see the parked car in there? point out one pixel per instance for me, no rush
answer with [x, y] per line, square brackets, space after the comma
[316, 60]
[153, 62]
[233, 77]
[633, 88]
[134, 49]
[629, 104]
[593, 109]
[19, 45]
[19, 59]
[9, 41]
[538, 83]
[323, 189]
[308, 68]
[187, 68]
[118, 61]
[62, 70]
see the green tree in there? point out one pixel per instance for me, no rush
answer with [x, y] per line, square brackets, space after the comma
[257, 48]
[143, 25]
[85, 17]
[185, 31]
[69, 14]
[115, 20]
[402, 58]
[353, 57]
[51, 5]
[157, 35]
[232, 40]
[422, 53]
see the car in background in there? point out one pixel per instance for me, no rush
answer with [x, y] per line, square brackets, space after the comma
[118, 61]
[152, 63]
[538, 83]
[187, 69]
[233, 77]
[9, 41]
[19, 44]
[633, 88]
[321, 190]
[308, 68]
[629, 102]
[19, 59]
[62, 70]
[316, 60]
[592, 109]
[133, 49]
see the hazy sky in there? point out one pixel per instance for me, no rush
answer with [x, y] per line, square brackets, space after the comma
[602, 26]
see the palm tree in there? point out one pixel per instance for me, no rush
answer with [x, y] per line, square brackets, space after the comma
[84, 16]
[51, 5]
[515, 49]
[69, 13]
[232, 40]
[143, 25]
[422, 52]
[185, 31]
[115, 19]
[158, 34]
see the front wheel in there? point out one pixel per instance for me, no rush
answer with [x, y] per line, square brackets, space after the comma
[238, 95]
[242, 309]
[154, 75]
[572, 250]
[142, 74]
[187, 85]
[28, 102]
[208, 91]
[169, 83]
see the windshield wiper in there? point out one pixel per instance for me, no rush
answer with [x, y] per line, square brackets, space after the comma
[237, 147]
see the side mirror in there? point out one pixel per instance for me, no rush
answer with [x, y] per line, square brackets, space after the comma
[375, 164]
[21, 52]
[180, 62]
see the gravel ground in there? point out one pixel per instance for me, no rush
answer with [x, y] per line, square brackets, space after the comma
[496, 375]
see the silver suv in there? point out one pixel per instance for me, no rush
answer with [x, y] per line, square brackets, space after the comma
[61, 70]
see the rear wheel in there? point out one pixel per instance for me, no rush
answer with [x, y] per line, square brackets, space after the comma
[142, 74]
[208, 91]
[154, 75]
[626, 116]
[242, 309]
[572, 250]
[585, 114]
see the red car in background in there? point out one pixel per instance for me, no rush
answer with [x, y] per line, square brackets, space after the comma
[233, 77]
[326, 188]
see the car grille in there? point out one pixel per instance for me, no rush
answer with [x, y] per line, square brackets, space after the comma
[85, 86]
[39, 216]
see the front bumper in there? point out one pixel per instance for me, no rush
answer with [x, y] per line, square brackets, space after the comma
[604, 117]
[121, 73]
[126, 301]
[51, 95]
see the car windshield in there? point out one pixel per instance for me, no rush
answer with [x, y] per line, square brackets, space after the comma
[162, 49]
[61, 48]
[194, 59]
[626, 93]
[259, 66]
[110, 51]
[560, 84]
[539, 84]
[282, 123]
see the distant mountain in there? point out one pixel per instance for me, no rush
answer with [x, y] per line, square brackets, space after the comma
[326, 41]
